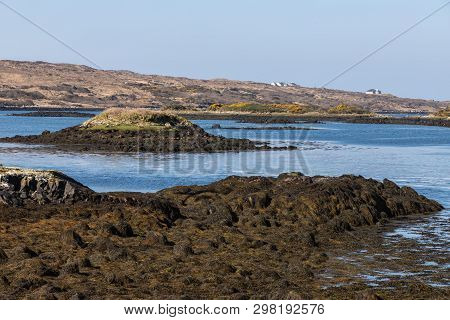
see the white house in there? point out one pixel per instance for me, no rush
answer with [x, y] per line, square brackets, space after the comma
[283, 84]
[373, 91]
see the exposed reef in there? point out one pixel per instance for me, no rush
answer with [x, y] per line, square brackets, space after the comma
[318, 118]
[238, 238]
[137, 130]
[263, 128]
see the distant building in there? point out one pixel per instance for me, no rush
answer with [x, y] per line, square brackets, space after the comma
[373, 91]
[283, 84]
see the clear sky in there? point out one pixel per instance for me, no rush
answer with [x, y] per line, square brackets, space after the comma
[307, 42]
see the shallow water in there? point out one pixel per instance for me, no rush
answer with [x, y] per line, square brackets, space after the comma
[416, 156]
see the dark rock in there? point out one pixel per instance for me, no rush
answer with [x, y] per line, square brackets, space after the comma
[249, 237]
[3, 256]
[19, 186]
[123, 229]
[23, 252]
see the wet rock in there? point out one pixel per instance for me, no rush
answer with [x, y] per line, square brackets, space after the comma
[241, 237]
[3, 256]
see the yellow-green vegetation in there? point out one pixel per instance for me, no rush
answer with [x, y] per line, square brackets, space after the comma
[445, 113]
[346, 109]
[262, 108]
[135, 119]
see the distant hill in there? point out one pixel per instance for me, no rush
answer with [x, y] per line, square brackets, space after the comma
[68, 85]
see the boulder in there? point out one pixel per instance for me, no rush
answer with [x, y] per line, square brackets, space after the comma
[19, 186]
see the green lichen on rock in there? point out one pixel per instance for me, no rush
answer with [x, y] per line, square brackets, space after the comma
[135, 119]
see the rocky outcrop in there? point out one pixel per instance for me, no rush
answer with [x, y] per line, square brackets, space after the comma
[129, 130]
[310, 203]
[238, 238]
[19, 186]
[319, 118]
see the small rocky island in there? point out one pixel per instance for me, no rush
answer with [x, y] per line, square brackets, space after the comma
[238, 238]
[137, 130]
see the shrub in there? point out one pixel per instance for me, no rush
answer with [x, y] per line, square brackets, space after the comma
[261, 108]
[346, 109]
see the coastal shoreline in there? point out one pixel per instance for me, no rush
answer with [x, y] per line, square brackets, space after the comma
[293, 118]
[380, 118]
[237, 238]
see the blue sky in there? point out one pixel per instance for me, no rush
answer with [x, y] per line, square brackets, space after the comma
[307, 42]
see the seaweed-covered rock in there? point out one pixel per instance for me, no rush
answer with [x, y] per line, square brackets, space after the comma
[23, 185]
[137, 130]
[241, 237]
